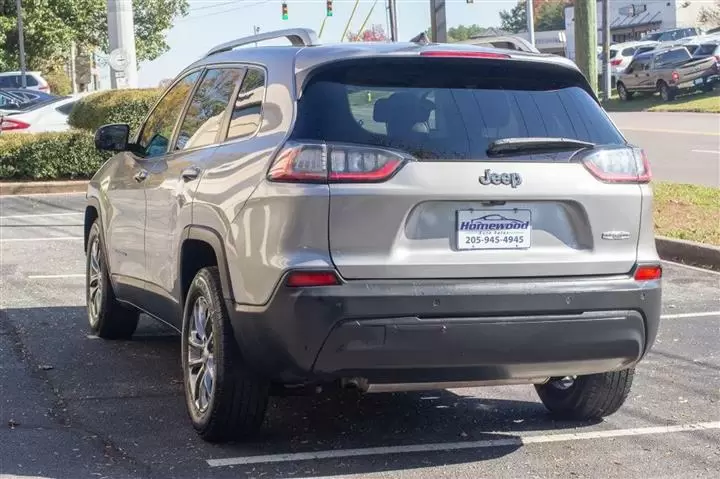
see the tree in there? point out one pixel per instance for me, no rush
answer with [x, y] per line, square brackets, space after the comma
[710, 16]
[461, 32]
[514, 21]
[548, 15]
[51, 25]
[376, 33]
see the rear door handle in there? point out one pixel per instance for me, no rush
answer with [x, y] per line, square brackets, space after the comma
[190, 173]
[141, 176]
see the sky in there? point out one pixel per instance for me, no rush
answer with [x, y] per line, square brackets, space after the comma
[211, 22]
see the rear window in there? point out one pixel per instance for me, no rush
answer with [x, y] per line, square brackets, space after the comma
[672, 57]
[706, 49]
[613, 53]
[441, 109]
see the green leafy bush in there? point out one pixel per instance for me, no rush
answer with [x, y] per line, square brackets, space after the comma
[49, 156]
[59, 83]
[113, 106]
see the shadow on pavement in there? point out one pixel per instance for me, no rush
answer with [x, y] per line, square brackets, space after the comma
[129, 395]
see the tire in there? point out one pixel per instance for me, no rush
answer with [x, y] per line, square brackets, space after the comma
[588, 397]
[108, 318]
[623, 93]
[666, 93]
[234, 403]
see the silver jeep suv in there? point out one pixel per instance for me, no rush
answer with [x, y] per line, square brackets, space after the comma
[386, 217]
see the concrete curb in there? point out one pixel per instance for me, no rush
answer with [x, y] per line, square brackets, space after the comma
[689, 252]
[42, 187]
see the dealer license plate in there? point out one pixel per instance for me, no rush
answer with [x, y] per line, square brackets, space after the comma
[493, 229]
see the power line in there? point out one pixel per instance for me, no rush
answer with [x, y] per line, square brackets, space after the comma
[214, 5]
[233, 9]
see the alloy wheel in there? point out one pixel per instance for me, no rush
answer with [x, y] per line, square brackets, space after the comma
[201, 368]
[94, 283]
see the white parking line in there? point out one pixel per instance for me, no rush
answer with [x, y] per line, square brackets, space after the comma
[704, 314]
[712, 152]
[56, 238]
[55, 276]
[510, 440]
[694, 268]
[44, 215]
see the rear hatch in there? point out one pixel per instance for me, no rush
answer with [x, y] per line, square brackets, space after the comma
[445, 199]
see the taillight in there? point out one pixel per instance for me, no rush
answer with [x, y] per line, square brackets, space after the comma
[306, 279]
[45, 88]
[9, 125]
[463, 54]
[675, 77]
[616, 62]
[617, 165]
[329, 163]
[648, 273]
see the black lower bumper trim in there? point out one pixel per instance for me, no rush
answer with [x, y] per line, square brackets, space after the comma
[397, 331]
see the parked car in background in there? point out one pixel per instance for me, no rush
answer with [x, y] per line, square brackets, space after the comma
[673, 35]
[16, 96]
[706, 49]
[33, 80]
[621, 54]
[667, 71]
[48, 113]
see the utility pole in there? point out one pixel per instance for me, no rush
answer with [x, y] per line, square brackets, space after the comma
[21, 41]
[438, 24]
[392, 12]
[607, 80]
[73, 73]
[530, 21]
[121, 32]
[586, 40]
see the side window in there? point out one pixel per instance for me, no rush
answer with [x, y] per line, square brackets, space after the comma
[628, 52]
[247, 112]
[155, 136]
[205, 113]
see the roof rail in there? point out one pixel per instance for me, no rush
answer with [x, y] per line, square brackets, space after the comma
[297, 36]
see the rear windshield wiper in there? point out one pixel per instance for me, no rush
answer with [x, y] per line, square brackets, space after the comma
[513, 145]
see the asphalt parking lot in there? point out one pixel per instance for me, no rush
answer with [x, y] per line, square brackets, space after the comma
[74, 406]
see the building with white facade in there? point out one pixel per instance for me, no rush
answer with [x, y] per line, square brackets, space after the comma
[629, 20]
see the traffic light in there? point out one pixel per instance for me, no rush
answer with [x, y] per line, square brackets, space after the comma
[284, 11]
[329, 8]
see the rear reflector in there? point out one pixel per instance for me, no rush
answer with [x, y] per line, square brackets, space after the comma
[304, 279]
[617, 164]
[648, 273]
[9, 125]
[321, 163]
[463, 54]
[675, 77]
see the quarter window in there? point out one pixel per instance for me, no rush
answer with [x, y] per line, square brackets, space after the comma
[205, 114]
[155, 136]
[247, 112]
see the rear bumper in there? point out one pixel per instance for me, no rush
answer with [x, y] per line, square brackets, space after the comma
[438, 331]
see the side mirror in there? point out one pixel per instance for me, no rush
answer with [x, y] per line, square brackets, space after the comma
[112, 137]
